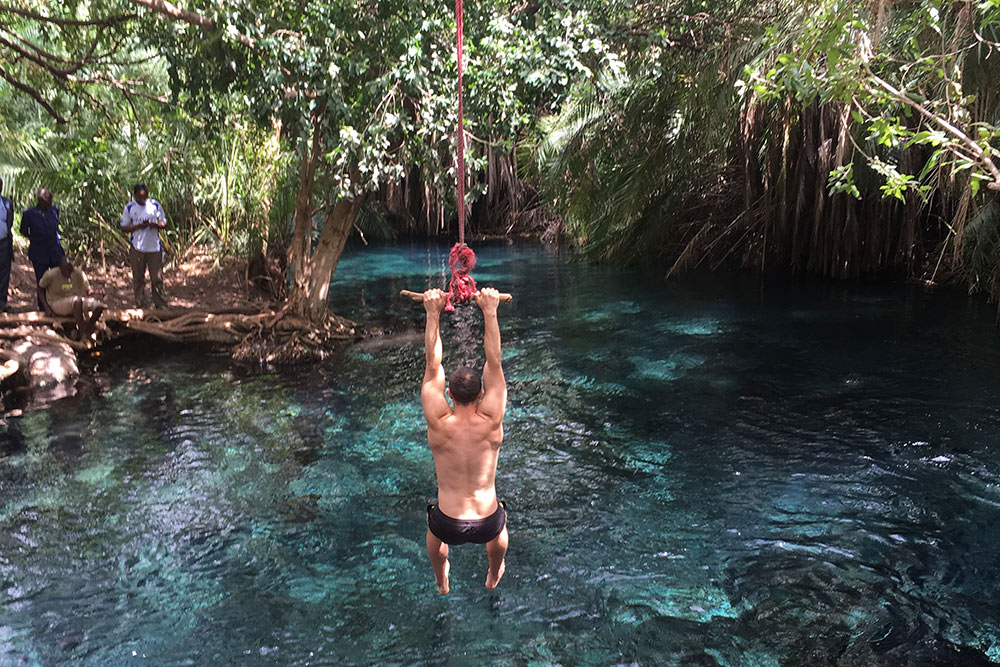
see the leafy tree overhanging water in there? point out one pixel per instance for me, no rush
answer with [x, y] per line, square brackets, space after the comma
[834, 137]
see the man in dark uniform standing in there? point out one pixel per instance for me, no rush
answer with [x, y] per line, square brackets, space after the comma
[41, 225]
[6, 246]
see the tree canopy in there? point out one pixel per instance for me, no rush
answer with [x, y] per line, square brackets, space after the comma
[830, 136]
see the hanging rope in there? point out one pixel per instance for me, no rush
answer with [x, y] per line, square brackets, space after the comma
[461, 260]
[459, 23]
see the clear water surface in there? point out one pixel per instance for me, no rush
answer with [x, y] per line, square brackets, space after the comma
[709, 472]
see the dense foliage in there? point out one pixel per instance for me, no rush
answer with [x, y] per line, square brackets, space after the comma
[87, 113]
[221, 102]
[830, 136]
[837, 137]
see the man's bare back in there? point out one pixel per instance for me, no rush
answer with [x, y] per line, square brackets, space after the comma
[465, 441]
[465, 452]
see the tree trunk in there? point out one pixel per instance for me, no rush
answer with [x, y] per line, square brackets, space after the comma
[310, 300]
[298, 251]
[312, 272]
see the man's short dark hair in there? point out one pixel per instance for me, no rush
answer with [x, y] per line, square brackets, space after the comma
[465, 385]
[140, 187]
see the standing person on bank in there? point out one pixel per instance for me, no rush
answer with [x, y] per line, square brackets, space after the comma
[6, 246]
[143, 219]
[40, 224]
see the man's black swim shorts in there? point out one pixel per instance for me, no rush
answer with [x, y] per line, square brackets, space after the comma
[456, 531]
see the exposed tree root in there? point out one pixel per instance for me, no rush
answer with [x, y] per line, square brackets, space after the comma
[287, 340]
[269, 337]
[10, 366]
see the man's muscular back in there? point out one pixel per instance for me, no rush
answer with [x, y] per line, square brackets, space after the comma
[465, 449]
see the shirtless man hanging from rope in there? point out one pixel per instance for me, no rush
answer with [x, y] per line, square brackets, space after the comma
[465, 441]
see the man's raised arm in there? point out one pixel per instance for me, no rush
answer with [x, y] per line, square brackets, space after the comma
[494, 401]
[432, 390]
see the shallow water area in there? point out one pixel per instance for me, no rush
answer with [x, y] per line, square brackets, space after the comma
[714, 471]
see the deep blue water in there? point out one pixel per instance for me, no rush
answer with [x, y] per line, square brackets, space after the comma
[714, 471]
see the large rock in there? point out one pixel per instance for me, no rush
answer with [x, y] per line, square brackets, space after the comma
[47, 362]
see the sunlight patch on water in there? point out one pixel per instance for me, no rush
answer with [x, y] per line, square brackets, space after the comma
[664, 370]
[646, 456]
[97, 474]
[692, 327]
[610, 312]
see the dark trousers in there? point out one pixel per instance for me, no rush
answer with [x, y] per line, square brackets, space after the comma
[140, 261]
[40, 268]
[6, 255]
[42, 259]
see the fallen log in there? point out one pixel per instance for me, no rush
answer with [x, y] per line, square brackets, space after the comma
[253, 335]
[41, 334]
[32, 317]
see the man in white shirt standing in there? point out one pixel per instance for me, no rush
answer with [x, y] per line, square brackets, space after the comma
[143, 219]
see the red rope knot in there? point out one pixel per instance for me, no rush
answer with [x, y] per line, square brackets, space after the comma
[461, 261]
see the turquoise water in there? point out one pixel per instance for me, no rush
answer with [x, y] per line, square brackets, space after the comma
[717, 471]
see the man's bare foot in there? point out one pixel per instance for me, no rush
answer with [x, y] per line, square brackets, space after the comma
[491, 583]
[443, 586]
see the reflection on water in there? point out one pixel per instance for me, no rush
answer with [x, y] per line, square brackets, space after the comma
[718, 473]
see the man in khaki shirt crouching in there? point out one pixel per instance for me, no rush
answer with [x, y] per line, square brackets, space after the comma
[63, 291]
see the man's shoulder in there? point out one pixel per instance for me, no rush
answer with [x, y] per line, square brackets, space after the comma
[49, 275]
[439, 422]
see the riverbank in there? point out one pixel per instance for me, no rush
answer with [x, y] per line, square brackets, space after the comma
[209, 301]
[200, 282]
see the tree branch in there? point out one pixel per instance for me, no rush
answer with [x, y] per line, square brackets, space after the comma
[38, 60]
[123, 86]
[90, 52]
[173, 11]
[34, 94]
[48, 60]
[114, 20]
[67, 75]
[51, 57]
[981, 157]
[44, 59]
